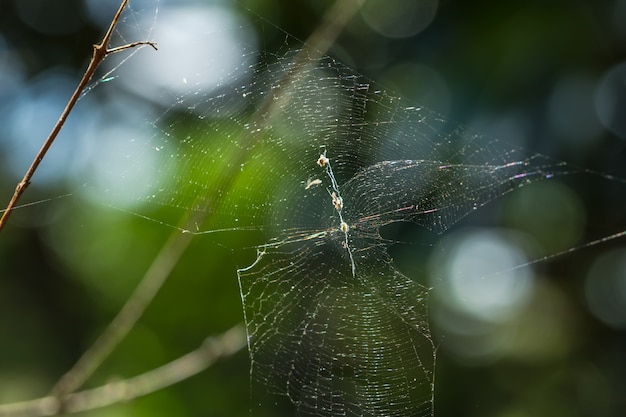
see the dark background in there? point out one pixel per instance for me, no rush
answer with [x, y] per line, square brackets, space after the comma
[526, 72]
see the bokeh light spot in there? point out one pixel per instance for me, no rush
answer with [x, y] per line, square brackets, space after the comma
[421, 84]
[571, 111]
[399, 18]
[480, 275]
[31, 117]
[610, 100]
[549, 212]
[207, 55]
[605, 288]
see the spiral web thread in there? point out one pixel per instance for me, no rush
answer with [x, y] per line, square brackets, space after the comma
[333, 327]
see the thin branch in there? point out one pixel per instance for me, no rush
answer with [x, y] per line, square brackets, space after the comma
[100, 52]
[321, 39]
[316, 46]
[211, 350]
[152, 281]
[131, 45]
[333, 23]
[167, 258]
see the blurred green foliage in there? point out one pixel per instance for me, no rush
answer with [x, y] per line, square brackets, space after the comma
[67, 266]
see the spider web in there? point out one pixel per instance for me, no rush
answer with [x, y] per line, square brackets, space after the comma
[319, 158]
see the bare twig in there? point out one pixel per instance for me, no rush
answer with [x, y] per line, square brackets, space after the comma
[127, 317]
[173, 249]
[61, 397]
[211, 350]
[333, 23]
[100, 52]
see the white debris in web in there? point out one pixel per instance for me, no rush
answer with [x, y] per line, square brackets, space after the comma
[337, 202]
[312, 183]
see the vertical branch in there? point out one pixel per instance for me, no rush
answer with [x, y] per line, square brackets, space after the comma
[176, 245]
[317, 44]
[100, 52]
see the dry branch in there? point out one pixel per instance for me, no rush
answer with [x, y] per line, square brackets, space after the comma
[63, 398]
[100, 52]
[211, 350]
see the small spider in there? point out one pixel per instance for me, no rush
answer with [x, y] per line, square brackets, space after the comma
[344, 227]
[322, 161]
[337, 201]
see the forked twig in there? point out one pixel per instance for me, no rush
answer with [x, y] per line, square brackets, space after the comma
[63, 397]
[100, 52]
[211, 350]
[173, 249]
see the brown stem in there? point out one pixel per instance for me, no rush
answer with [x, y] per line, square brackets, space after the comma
[127, 317]
[171, 252]
[213, 349]
[174, 248]
[100, 52]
